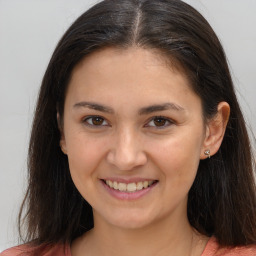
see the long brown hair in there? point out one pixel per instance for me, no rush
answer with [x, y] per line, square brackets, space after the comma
[222, 200]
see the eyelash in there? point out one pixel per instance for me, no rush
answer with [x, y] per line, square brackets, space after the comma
[167, 122]
[86, 121]
[105, 122]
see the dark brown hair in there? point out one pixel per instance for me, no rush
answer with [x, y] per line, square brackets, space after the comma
[222, 200]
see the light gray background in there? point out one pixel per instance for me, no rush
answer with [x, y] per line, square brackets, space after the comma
[29, 31]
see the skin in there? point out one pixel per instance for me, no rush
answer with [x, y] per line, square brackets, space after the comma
[131, 140]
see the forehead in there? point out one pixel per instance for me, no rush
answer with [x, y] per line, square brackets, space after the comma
[146, 57]
[134, 73]
[120, 58]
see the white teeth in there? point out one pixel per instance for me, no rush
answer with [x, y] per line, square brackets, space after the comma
[115, 185]
[145, 184]
[130, 187]
[122, 186]
[139, 186]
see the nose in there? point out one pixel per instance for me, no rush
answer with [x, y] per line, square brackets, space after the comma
[126, 151]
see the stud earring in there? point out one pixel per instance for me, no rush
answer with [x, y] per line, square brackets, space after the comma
[207, 153]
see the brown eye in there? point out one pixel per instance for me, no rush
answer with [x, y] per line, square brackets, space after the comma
[159, 121]
[95, 121]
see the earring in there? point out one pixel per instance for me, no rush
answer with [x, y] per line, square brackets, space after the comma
[207, 153]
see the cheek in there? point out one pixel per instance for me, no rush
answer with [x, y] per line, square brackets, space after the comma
[178, 158]
[84, 155]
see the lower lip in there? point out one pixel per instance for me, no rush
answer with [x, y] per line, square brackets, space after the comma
[128, 195]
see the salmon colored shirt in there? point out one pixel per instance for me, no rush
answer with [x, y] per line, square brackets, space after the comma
[212, 249]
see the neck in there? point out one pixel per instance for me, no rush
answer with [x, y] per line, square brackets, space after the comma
[163, 238]
[147, 241]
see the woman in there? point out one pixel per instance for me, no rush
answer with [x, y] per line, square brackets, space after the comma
[138, 142]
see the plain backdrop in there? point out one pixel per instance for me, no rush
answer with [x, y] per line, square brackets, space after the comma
[29, 32]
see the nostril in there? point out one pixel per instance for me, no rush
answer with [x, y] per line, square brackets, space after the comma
[126, 160]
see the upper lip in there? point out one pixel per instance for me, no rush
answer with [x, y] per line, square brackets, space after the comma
[128, 180]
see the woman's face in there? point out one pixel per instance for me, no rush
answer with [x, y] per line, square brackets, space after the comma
[133, 133]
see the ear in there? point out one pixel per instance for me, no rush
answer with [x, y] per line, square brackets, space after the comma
[215, 130]
[62, 137]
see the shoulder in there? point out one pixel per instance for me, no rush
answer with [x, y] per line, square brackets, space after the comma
[238, 251]
[25, 250]
[17, 250]
[213, 249]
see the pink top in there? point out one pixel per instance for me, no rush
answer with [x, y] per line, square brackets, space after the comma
[211, 249]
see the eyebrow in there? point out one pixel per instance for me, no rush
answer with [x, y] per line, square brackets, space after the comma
[94, 106]
[142, 111]
[160, 107]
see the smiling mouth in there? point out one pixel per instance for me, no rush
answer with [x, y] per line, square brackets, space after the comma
[129, 187]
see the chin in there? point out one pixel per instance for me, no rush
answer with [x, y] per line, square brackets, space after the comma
[131, 224]
[129, 220]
